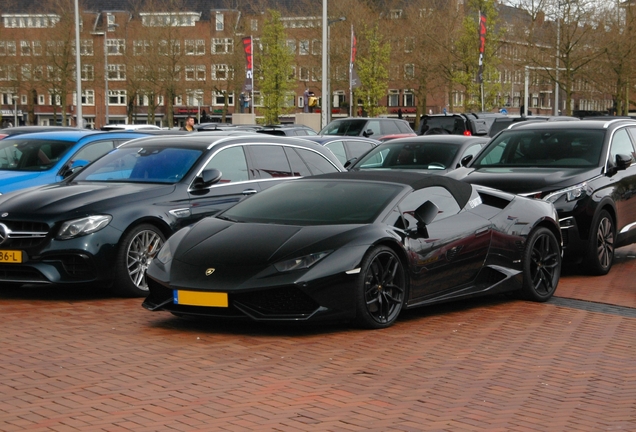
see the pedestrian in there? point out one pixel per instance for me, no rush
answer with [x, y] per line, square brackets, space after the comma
[189, 124]
[399, 112]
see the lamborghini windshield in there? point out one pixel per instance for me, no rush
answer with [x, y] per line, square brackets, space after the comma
[315, 202]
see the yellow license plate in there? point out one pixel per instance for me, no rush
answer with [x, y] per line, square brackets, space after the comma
[10, 256]
[200, 298]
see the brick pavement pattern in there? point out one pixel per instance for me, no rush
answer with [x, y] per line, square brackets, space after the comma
[75, 361]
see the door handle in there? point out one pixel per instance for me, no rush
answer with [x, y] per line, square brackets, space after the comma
[249, 191]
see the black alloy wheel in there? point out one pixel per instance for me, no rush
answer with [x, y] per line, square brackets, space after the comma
[541, 265]
[601, 252]
[136, 250]
[381, 289]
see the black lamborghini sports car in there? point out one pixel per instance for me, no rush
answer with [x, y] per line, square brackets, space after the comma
[357, 246]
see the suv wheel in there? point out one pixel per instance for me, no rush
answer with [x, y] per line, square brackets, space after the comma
[601, 249]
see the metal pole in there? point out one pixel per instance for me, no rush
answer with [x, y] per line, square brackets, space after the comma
[78, 69]
[556, 72]
[15, 110]
[324, 91]
[525, 93]
[106, 119]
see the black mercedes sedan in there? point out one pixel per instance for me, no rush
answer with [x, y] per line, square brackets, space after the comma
[585, 168]
[357, 246]
[105, 223]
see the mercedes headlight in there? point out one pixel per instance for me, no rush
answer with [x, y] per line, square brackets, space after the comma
[301, 262]
[571, 194]
[79, 227]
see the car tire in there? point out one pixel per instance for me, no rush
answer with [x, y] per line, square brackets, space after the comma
[136, 249]
[541, 265]
[381, 289]
[601, 244]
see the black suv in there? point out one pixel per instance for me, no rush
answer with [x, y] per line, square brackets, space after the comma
[585, 168]
[458, 124]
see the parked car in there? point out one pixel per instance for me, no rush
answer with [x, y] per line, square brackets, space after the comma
[376, 127]
[432, 153]
[287, 130]
[129, 127]
[501, 123]
[585, 168]
[345, 148]
[357, 246]
[19, 130]
[36, 159]
[105, 223]
[458, 124]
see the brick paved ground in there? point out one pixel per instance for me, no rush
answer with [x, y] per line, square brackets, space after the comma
[71, 361]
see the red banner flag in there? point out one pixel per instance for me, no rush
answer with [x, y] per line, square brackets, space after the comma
[249, 75]
[482, 47]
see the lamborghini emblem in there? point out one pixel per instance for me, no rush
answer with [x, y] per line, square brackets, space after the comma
[209, 271]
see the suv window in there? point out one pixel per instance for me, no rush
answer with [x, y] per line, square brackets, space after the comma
[232, 164]
[270, 161]
[317, 163]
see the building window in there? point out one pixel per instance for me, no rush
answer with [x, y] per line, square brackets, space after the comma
[222, 46]
[110, 20]
[409, 44]
[316, 73]
[116, 72]
[316, 47]
[141, 47]
[254, 25]
[395, 13]
[291, 45]
[194, 98]
[53, 73]
[219, 21]
[88, 72]
[7, 48]
[30, 21]
[40, 99]
[169, 48]
[194, 47]
[169, 19]
[393, 98]
[178, 100]
[304, 73]
[86, 47]
[117, 97]
[408, 98]
[221, 72]
[195, 73]
[23, 99]
[88, 97]
[54, 98]
[25, 48]
[409, 71]
[303, 47]
[115, 46]
[218, 98]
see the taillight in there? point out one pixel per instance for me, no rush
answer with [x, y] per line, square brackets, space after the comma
[467, 133]
[2, 136]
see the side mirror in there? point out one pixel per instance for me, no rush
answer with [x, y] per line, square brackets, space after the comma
[426, 213]
[465, 160]
[73, 166]
[207, 178]
[623, 161]
[350, 162]
[211, 176]
[367, 133]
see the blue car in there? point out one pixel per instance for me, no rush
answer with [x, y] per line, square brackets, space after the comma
[41, 158]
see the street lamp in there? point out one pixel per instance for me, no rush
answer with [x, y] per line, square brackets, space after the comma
[327, 103]
[78, 69]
